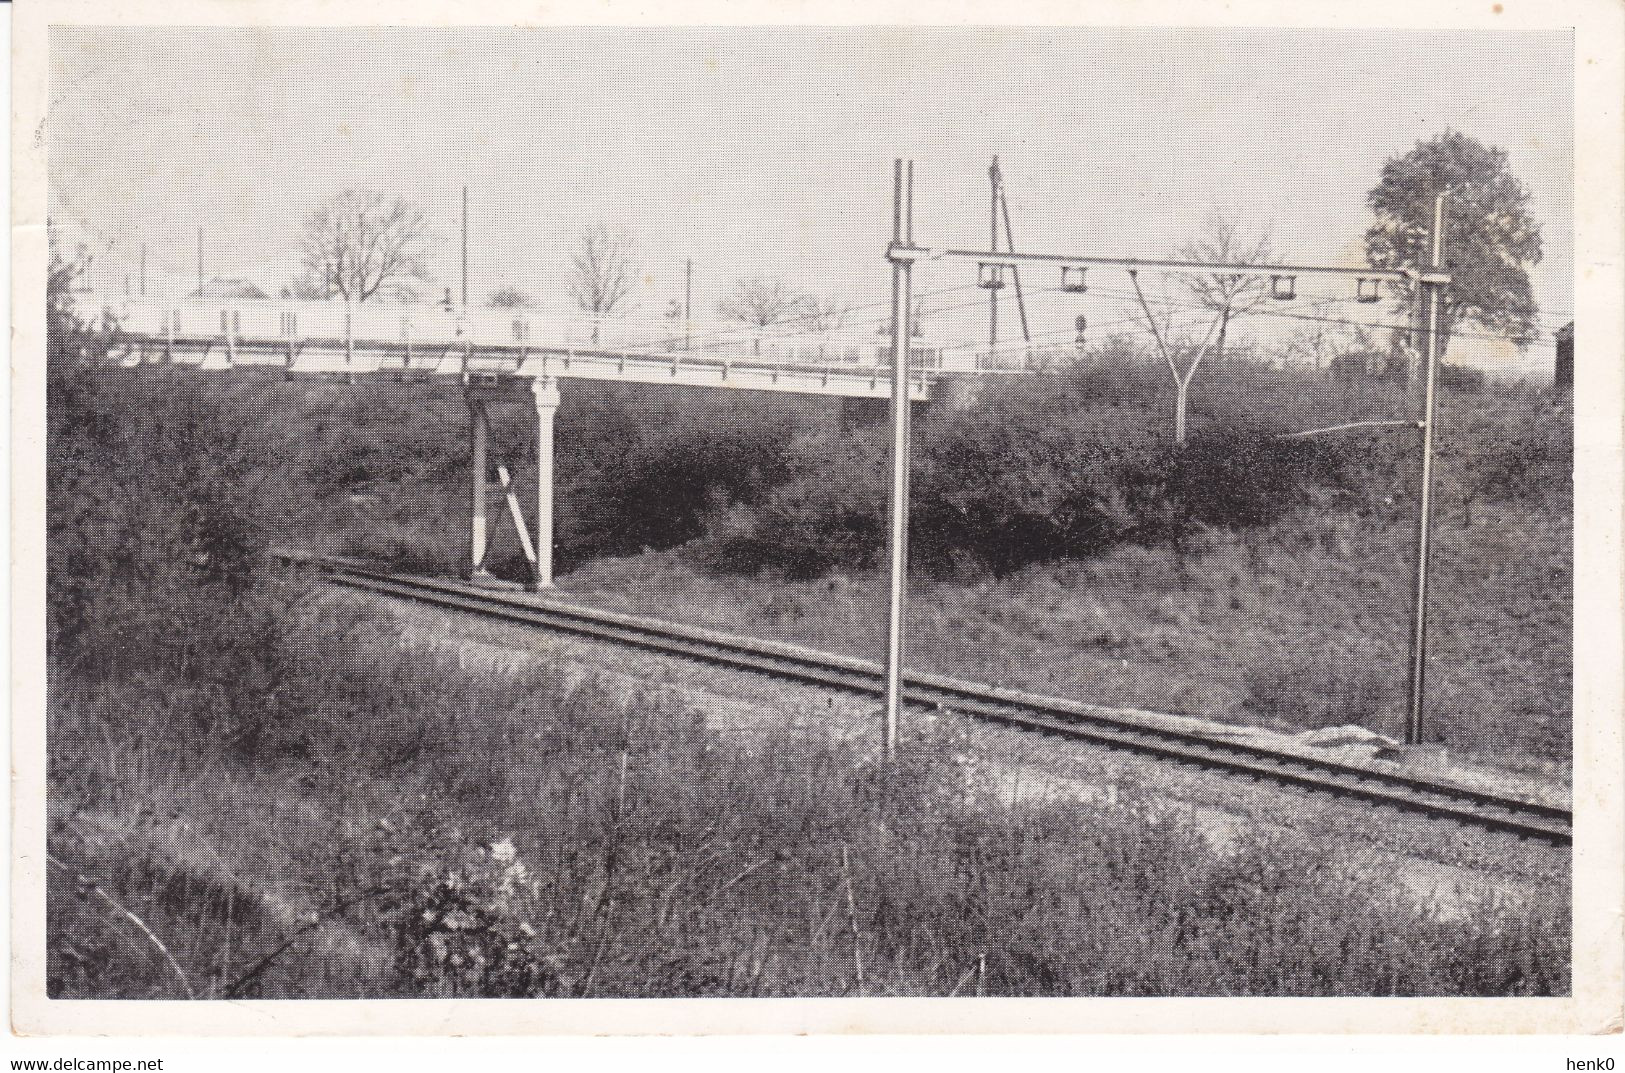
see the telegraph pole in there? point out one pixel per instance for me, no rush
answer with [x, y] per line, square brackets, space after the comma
[465, 247]
[688, 301]
[143, 270]
[1424, 519]
[901, 254]
[1001, 208]
[1015, 272]
[200, 262]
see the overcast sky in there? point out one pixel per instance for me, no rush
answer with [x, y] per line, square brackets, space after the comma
[768, 151]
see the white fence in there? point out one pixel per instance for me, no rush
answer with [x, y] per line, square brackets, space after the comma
[371, 324]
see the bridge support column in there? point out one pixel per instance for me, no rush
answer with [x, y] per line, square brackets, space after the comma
[545, 390]
[480, 428]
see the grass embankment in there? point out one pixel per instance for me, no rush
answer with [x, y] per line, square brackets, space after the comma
[1305, 627]
[1060, 543]
[562, 843]
[297, 805]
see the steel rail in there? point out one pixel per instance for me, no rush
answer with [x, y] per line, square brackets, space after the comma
[1114, 728]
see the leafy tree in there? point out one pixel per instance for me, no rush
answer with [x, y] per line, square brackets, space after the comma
[149, 535]
[1490, 240]
[360, 241]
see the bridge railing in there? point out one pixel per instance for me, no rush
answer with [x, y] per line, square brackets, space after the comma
[428, 324]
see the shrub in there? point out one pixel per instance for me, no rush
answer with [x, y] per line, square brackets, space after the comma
[659, 494]
[1003, 488]
[829, 512]
[1513, 457]
[458, 913]
[155, 560]
[1320, 689]
[1460, 378]
[1005, 485]
[1231, 478]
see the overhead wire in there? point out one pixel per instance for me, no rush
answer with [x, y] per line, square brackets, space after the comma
[1266, 311]
[788, 327]
[1543, 335]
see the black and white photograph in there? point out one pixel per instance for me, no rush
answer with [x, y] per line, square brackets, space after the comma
[547, 511]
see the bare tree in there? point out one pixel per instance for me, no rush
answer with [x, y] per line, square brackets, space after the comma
[1320, 344]
[1183, 368]
[1313, 343]
[762, 302]
[915, 323]
[362, 240]
[826, 314]
[602, 273]
[1228, 296]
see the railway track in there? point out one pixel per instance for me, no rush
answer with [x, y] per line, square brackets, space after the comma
[1113, 728]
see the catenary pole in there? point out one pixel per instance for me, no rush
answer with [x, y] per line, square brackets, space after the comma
[901, 257]
[688, 303]
[465, 247]
[1424, 519]
[1428, 281]
[200, 262]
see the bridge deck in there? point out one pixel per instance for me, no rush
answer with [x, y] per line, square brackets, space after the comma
[328, 338]
[367, 358]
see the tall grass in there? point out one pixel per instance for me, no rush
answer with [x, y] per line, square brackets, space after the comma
[506, 834]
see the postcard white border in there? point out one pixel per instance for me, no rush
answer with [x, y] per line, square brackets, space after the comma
[1599, 938]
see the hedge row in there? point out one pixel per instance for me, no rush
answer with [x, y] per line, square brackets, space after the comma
[993, 493]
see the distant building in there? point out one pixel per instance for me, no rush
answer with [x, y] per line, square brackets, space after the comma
[219, 288]
[1563, 377]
